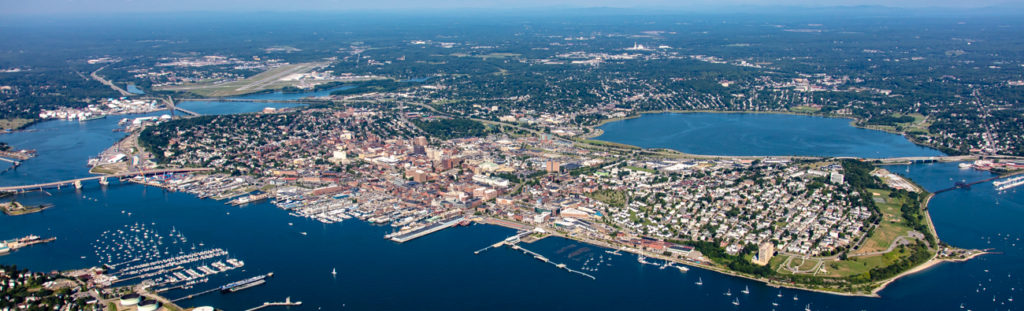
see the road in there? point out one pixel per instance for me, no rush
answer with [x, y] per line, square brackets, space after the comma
[900, 240]
[119, 175]
[95, 75]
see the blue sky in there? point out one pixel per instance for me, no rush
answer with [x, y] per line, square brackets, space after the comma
[35, 7]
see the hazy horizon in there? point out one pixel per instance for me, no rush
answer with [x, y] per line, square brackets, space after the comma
[78, 7]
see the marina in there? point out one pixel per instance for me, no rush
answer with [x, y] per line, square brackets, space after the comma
[139, 253]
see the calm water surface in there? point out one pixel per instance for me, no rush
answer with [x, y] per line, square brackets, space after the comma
[746, 134]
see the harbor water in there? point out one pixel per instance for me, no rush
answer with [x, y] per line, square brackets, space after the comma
[441, 272]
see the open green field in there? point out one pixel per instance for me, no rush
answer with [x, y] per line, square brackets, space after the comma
[890, 207]
[267, 80]
[883, 236]
[609, 144]
[13, 124]
[891, 226]
[804, 109]
[610, 197]
[860, 265]
[841, 268]
[919, 125]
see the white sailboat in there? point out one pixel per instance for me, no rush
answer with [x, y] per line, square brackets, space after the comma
[746, 290]
[699, 281]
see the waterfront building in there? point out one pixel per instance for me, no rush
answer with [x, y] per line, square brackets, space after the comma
[765, 251]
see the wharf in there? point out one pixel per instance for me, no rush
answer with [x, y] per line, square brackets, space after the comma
[190, 296]
[287, 302]
[512, 240]
[27, 241]
[403, 237]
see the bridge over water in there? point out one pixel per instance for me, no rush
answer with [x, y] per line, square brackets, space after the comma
[172, 107]
[58, 184]
[253, 100]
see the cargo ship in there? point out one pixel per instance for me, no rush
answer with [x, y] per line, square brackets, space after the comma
[245, 284]
[1008, 183]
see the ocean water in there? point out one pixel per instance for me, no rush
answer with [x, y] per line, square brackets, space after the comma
[440, 271]
[744, 134]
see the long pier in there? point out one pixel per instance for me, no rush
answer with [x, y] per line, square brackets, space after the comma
[190, 296]
[78, 181]
[545, 259]
[509, 240]
[965, 185]
[409, 236]
[287, 302]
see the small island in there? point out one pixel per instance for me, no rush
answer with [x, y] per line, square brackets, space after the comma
[14, 208]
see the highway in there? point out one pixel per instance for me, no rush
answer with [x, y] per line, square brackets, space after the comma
[120, 175]
[169, 102]
[95, 75]
[247, 100]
